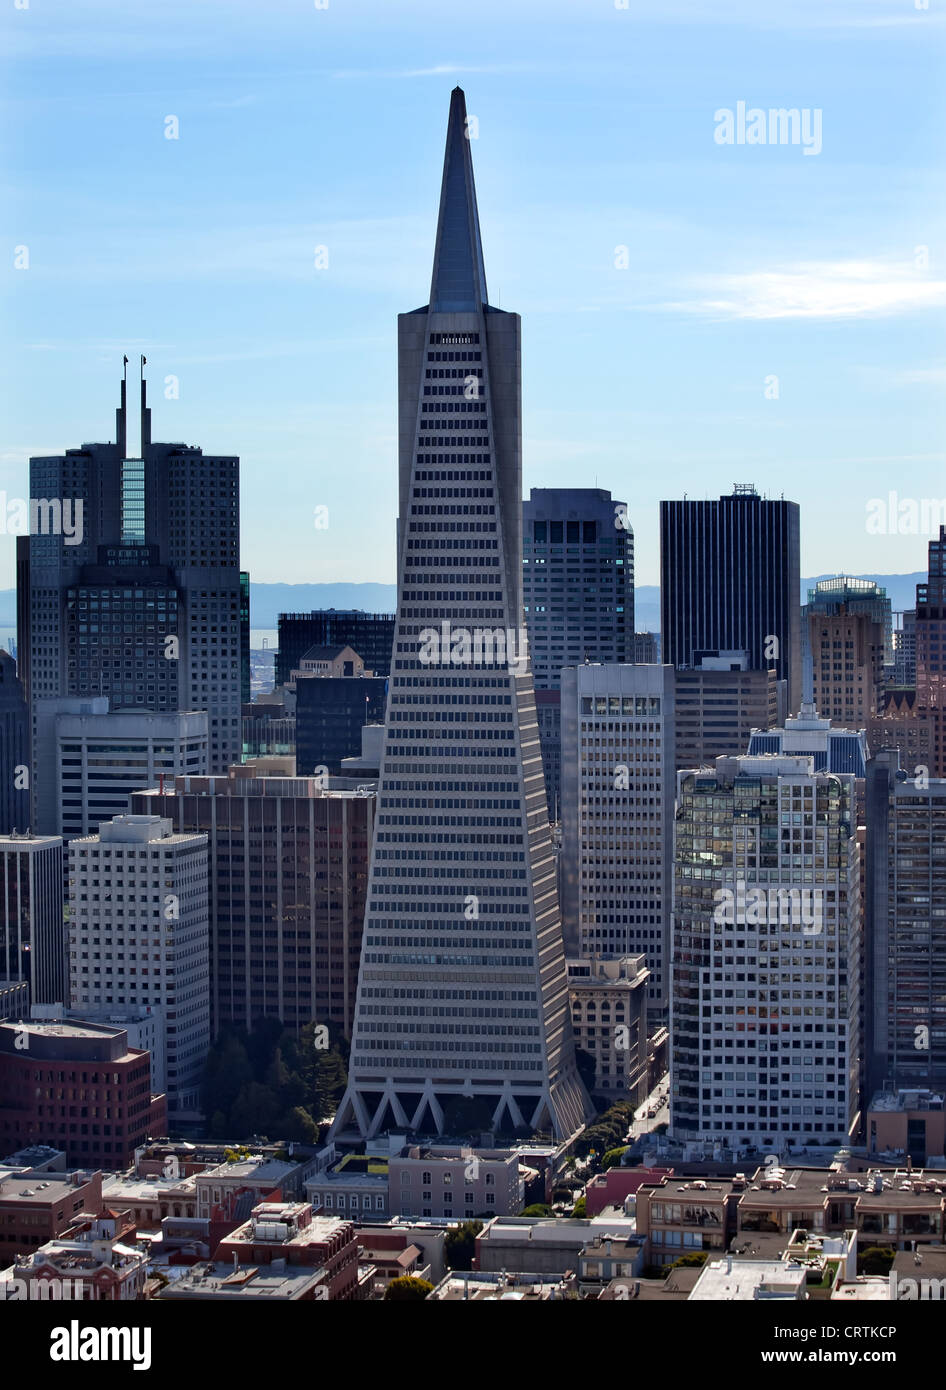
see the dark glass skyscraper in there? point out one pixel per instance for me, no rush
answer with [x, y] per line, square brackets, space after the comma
[462, 993]
[245, 672]
[905, 984]
[931, 651]
[577, 580]
[14, 750]
[578, 590]
[730, 581]
[141, 602]
[371, 635]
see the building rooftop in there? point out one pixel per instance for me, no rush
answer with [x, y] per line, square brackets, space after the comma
[736, 1279]
[498, 1288]
[324, 653]
[263, 1169]
[127, 1187]
[287, 1223]
[928, 1262]
[900, 1101]
[677, 1287]
[442, 1153]
[910, 1198]
[863, 1290]
[33, 1156]
[33, 1188]
[553, 1230]
[64, 1029]
[759, 1245]
[786, 1187]
[268, 1283]
[707, 1189]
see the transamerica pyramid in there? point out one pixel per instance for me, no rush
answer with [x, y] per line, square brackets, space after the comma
[462, 990]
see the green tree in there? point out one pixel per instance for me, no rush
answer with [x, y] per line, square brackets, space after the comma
[331, 1078]
[276, 1075]
[227, 1071]
[294, 1092]
[691, 1259]
[300, 1126]
[537, 1209]
[255, 1111]
[876, 1259]
[614, 1157]
[460, 1244]
[219, 1126]
[407, 1289]
[262, 1042]
[580, 1209]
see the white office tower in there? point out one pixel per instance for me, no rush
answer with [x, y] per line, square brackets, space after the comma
[617, 815]
[765, 1009]
[139, 935]
[462, 1005]
[93, 759]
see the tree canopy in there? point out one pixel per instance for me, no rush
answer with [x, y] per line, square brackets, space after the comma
[272, 1082]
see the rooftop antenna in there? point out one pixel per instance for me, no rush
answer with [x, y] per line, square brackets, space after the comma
[120, 417]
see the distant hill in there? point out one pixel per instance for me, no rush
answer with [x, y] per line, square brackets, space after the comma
[267, 601]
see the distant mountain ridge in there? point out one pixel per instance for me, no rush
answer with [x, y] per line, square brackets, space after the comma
[267, 601]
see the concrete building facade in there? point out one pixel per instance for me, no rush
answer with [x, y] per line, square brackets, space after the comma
[905, 917]
[139, 936]
[618, 727]
[92, 759]
[609, 1016]
[767, 953]
[288, 885]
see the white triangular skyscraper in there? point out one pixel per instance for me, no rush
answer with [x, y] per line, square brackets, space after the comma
[462, 992]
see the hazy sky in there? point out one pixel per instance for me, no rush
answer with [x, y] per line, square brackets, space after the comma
[303, 127]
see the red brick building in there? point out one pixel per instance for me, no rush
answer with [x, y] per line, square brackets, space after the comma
[79, 1087]
[38, 1207]
[289, 1231]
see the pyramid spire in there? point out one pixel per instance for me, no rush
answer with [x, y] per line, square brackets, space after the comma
[458, 283]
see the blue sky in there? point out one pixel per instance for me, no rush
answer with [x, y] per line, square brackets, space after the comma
[302, 127]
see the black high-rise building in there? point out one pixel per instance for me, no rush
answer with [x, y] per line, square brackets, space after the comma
[330, 715]
[135, 594]
[245, 673]
[578, 592]
[371, 635]
[730, 582]
[14, 750]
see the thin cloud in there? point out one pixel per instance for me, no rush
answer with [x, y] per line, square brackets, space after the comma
[816, 290]
[921, 376]
[440, 70]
